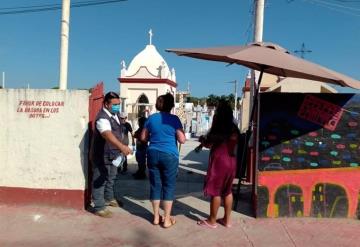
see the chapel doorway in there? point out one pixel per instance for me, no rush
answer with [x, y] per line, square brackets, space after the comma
[142, 104]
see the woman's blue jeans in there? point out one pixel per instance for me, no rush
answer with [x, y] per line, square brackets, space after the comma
[163, 168]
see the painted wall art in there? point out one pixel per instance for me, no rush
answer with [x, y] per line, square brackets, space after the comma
[309, 155]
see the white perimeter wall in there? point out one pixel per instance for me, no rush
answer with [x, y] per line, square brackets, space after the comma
[47, 147]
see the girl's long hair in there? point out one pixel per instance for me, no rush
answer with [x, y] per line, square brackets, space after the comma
[223, 124]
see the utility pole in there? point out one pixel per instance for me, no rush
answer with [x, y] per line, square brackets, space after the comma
[258, 37]
[251, 145]
[235, 100]
[64, 50]
[3, 79]
[259, 20]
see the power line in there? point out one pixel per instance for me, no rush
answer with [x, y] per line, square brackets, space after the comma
[52, 7]
[348, 1]
[248, 34]
[335, 7]
[341, 1]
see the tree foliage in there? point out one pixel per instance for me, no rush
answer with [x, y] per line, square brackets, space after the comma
[212, 100]
[196, 100]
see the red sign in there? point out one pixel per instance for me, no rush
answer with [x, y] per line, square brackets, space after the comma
[321, 112]
[39, 108]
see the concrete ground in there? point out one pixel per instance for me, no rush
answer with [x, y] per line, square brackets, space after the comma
[131, 226]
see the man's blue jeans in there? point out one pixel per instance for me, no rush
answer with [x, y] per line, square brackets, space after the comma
[163, 168]
[103, 184]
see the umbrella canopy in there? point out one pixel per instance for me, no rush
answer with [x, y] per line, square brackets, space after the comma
[270, 58]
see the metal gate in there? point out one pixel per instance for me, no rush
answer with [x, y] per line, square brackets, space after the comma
[95, 103]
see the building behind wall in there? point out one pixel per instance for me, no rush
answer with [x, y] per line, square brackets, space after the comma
[147, 76]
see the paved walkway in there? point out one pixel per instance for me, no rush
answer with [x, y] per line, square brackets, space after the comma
[131, 225]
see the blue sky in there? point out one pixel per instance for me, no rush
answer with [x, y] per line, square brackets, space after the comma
[102, 36]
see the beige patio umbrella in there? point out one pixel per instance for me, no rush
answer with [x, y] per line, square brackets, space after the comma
[270, 58]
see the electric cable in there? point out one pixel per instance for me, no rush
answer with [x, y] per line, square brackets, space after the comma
[52, 7]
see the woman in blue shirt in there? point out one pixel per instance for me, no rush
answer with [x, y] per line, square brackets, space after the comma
[163, 130]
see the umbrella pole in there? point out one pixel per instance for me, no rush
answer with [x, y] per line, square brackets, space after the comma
[257, 90]
[248, 134]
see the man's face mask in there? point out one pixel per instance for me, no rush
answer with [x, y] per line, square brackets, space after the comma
[115, 108]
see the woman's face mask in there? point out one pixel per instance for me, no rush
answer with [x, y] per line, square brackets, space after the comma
[115, 108]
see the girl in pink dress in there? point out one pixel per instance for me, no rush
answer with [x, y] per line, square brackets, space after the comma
[222, 140]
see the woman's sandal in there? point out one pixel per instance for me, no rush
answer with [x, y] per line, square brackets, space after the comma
[205, 223]
[172, 222]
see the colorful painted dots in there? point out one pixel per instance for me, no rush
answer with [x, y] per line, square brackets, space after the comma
[287, 151]
[309, 144]
[352, 124]
[340, 146]
[294, 132]
[265, 158]
[353, 146]
[276, 157]
[313, 134]
[286, 159]
[300, 159]
[336, 162]
[265, 143]
[335, 136]
[314, 153]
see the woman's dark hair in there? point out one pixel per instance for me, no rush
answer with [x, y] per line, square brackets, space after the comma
[159, 103]
[141, 121]
[223, 124]
[109, 96]
[165, 102]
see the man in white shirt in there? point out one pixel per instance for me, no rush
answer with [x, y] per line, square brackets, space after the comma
[106, 146]
[127, 130]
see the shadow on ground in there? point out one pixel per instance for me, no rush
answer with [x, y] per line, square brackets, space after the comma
[197, 157]
[189, 202]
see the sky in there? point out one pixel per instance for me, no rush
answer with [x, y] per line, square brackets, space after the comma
[102, 36]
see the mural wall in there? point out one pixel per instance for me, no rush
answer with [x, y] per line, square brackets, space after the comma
[309, 155]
